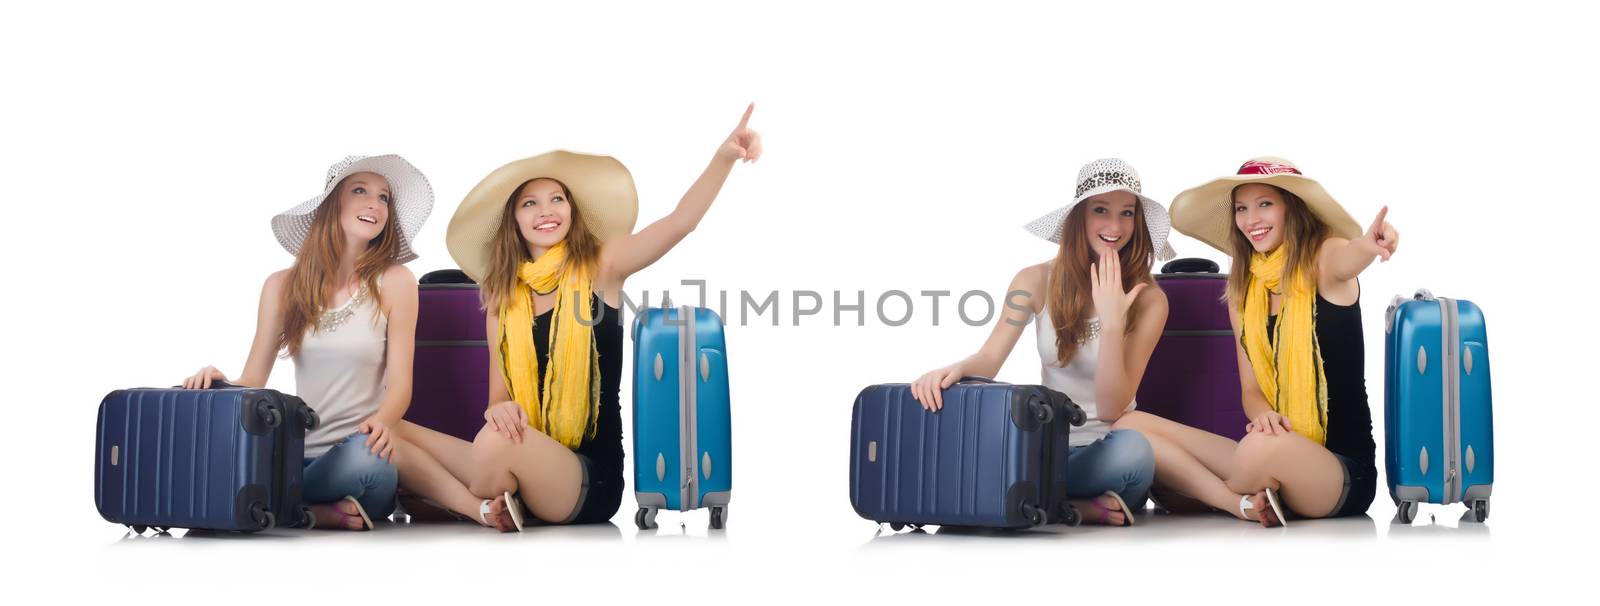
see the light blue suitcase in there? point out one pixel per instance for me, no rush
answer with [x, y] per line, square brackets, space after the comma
[1438, 413]
[682, 437]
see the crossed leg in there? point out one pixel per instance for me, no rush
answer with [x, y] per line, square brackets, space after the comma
[1219, 472]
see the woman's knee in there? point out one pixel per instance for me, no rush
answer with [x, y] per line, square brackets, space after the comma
[1132, 419]
[1252, 461]
[358, 457]
[349, 469]
[491, 465]
[1129, 450]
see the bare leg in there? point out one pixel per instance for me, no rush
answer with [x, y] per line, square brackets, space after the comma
[1309, 478]
[1211, 450]
[1182, 472]
[435, 466]
[544, 473]
[1194, 463]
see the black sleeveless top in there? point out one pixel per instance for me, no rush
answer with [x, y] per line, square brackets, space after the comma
[604, 450]
[1344, 366]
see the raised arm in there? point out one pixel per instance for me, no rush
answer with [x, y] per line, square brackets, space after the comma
[1123, 355]
[1025, 290]
[1342, 260]
[624, 256]
[263, 349]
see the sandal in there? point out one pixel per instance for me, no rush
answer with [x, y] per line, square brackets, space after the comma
[1105, 512]
[513, 510]
[1272, 501]
[345, 517]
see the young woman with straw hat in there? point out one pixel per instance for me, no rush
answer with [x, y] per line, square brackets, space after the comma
[346, 314]
[1097, 325]
[1294, 300]
[550, 240]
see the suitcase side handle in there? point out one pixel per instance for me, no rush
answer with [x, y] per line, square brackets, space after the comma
[1191, 265]
[976, 379]
[1423, 294]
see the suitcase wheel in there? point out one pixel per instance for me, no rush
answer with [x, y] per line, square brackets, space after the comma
[896, 526]
[1044, 412]
[1070, 515]
[1078, 418]
[309, 418]
[1480, 510]
[1406, 513]
[719, 517]
[264, 519]
[138, 529]
[645, 518]
[1035, 515]
[269, 414]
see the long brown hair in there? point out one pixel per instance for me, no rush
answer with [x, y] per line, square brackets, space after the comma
[310, 287]
[509, 249]
[1071, 296]
[1303, 234]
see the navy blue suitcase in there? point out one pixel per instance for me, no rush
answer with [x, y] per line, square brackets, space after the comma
[994, 456]
[218, 459]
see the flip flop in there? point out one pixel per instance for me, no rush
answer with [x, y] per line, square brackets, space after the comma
[311, 521]
[1104, 518]
[513, 509]
[1272, 501]
[1277, 507]
[360, 511]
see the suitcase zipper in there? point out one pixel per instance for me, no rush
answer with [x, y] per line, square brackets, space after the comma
[1451, 343]
[687, 360]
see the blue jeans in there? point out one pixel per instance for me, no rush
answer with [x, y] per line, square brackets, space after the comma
[1121, 462]
[349, 469]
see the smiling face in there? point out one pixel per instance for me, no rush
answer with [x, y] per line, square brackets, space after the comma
[364, 200]
[1109, 220]
[543, 210]
[1258, 213]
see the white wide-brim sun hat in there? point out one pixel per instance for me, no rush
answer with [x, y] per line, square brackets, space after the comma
[1205, 213]
[410, 195]
[1107, 175]
[602, 188]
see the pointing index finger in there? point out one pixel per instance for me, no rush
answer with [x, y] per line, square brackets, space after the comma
[745, 121]
[1377, 224]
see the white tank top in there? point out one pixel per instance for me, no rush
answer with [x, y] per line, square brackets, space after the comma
[340, 369]
[1076, 379]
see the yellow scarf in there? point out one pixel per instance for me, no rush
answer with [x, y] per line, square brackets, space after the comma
[1289, 366]
[571, 395]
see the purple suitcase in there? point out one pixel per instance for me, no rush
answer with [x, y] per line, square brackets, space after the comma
[450, 373]
[1193, 374]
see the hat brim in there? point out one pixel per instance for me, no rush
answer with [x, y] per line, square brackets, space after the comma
[601, 187]
[408, 187]
[1157, 221]
[1205, 213]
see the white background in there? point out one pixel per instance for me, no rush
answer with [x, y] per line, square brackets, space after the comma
[146, 146]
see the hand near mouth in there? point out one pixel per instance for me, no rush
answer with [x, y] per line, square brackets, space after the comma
[1110, 302]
